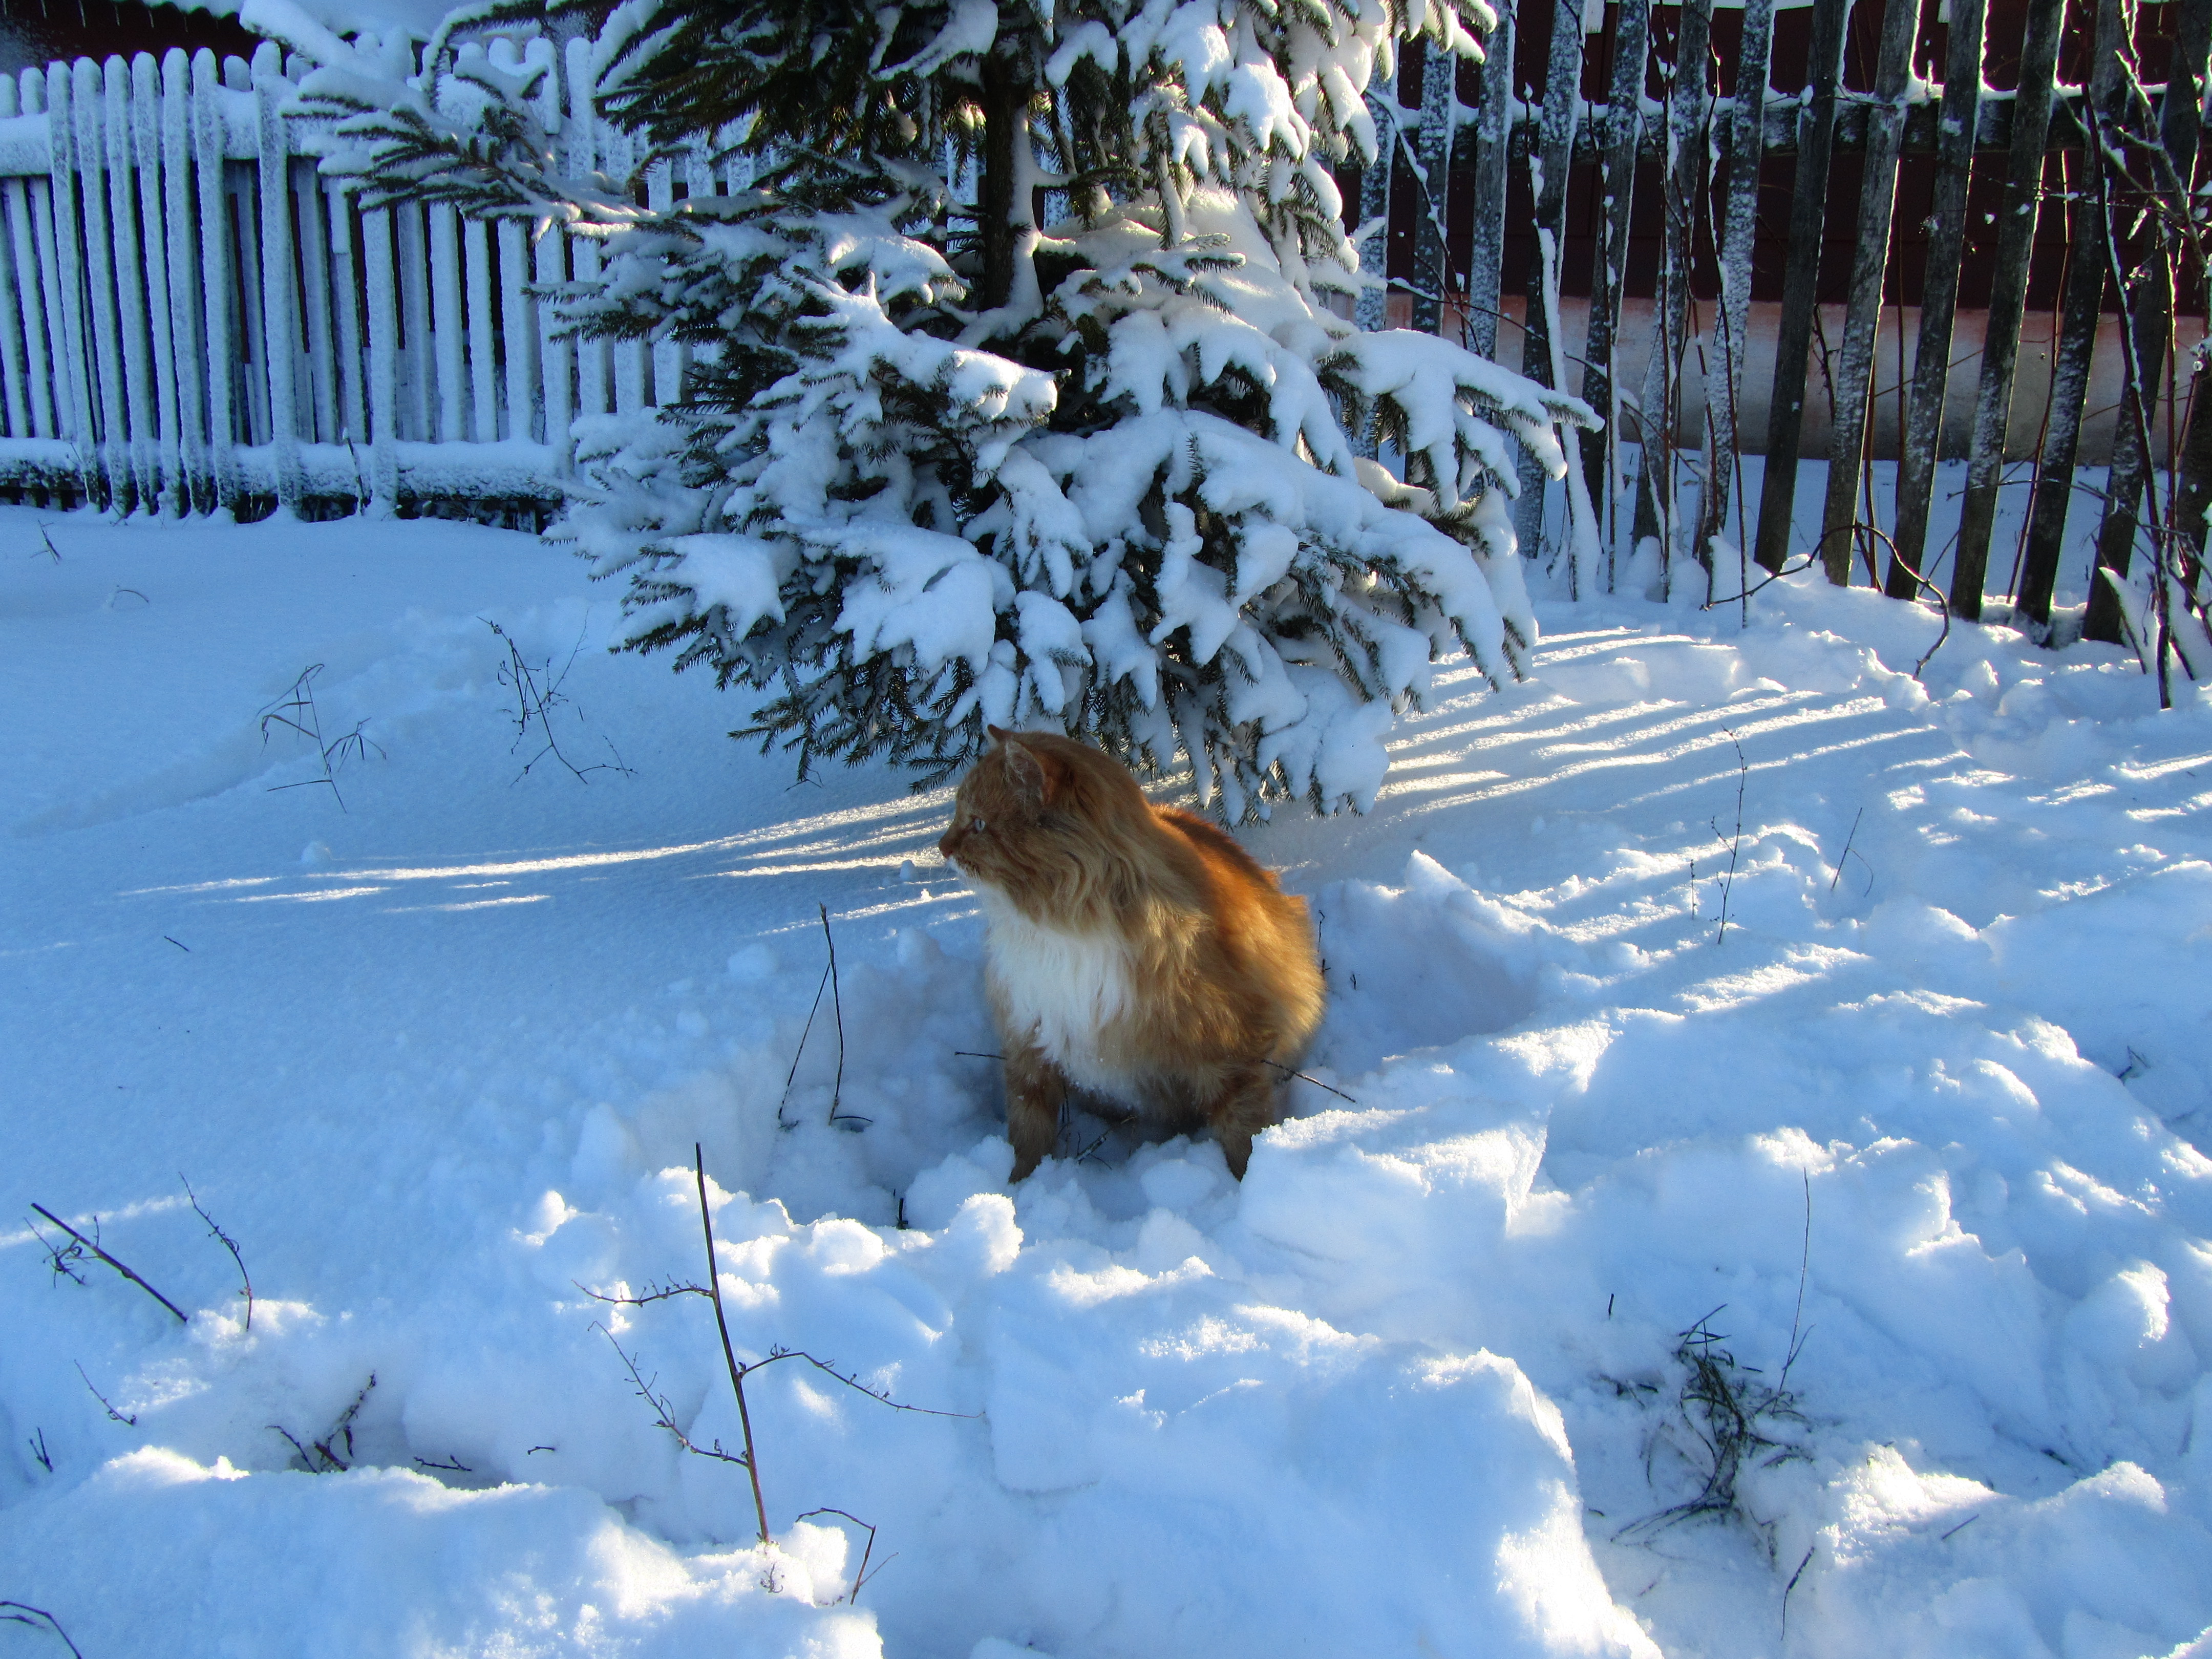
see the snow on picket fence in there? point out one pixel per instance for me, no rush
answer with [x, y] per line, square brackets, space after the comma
[413, 363]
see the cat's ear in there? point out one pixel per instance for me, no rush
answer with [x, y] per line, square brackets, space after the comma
[1036, 773]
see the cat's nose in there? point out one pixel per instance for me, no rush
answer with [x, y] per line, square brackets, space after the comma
[944, 843]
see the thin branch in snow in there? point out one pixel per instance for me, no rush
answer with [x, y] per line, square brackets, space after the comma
[861, 1577]
[654, 1292]
[37, 1442]
[1846, 854]
[297, 709]
[128, 1419]
[320, 1456]
[1735, 844]
[91, 1246]
[22, 1613]
[838, 1119]
[229, 1243]
[537, 694]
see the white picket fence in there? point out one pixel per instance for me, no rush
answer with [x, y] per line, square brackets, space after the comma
[192, 318]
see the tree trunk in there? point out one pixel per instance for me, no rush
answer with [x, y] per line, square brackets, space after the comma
[1003, 98]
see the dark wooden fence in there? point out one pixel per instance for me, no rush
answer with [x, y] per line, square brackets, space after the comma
[1892, 231]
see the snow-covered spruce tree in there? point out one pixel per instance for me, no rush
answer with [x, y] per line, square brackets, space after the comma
[1021, 389]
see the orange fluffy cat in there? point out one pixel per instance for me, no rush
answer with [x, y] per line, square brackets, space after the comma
[1136, 951]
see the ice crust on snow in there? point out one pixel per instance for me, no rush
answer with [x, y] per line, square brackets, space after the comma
[1406, 1385]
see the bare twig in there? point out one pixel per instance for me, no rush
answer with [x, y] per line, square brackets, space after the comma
[1804, 1266]
[179, 943]
[37, 1442]
[22, 1613]
[229, 1243]
[654, 1292]
[92, 1245]
[800, 1053]
[340, 1433]
[46, 536]
[1304, 1077]
[1792, 1585]
[663, 1413]
[128, 1419]
[861, 1577]
[1735, 845]
[537, 694]
[729, 1355]
[1848, 840]
[296, 710]
[451, 1464]
[837, 1119]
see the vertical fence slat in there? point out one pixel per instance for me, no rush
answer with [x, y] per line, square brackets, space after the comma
[130, 263]
[632, 359]
[376, 226]
[1487, 183]
[90, 169]
[1548, 164]
[448, 327]
[2031, 126]
[144, 97]
[1373, 309]
[43, 368]
[64, 307]
[584, 251]
[420, 404]
[1746, 142]
[518, 331]
[188, 347]
[319, 340]
[218, 281]
[279, 291]
[1931, 371]
[548, 245]
[1839, 516]
[337, 205]
[1657, 514]
[483, 383]
[1809, 206]
[45, 371]
[1624, 133]
[1433, 147]
[2077, 332]
[660, 196]
[12, 298]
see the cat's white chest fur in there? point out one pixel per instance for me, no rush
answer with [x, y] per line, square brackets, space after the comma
[1060, 989]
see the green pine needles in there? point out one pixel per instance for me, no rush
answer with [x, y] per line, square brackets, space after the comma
[1021, 386]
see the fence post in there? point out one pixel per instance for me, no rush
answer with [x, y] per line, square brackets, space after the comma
[1493, 133]
[1373, 309]
[16, 305]
[383, 363]
[2077, 333]
[1432, 148]
[2031, 127]
[185, 310]
[1840, 517]
[279, 321]
[1657, 513]
[218, 282]
[1939, 300]
[1801, 286]
[1624, 120]
[555, 353]
[142, 94]
[1746, 140]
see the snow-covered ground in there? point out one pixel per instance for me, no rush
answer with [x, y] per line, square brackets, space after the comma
[434, 1046]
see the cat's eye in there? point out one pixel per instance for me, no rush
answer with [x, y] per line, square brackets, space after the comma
[976, 826]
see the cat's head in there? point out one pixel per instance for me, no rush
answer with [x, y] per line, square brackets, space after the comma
[1049, 823]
